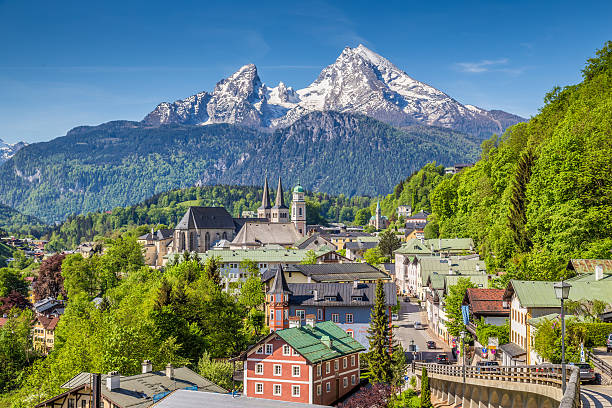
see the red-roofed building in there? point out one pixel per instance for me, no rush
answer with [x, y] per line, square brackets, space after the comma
[43, 333]
[488, 304]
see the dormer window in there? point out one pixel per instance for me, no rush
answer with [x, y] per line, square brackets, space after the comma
[330, 298]
[357, 298]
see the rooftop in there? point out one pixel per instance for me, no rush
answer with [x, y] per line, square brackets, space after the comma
[262, 233]
[486, 301]
[332, 272]
[195, 399]
[206, 217]
[542, 294]
[274, 255]
[341, 294]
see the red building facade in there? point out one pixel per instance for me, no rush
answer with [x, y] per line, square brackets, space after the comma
[312, 364]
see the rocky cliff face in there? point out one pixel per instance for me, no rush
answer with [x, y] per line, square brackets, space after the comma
[359, 81]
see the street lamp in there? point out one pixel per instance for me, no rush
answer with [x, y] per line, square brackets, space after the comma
[562, 292]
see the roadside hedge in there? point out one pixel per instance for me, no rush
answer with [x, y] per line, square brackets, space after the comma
[596, 334]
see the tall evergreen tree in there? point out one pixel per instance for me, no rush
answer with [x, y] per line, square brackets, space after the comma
[379, 335]
[517, 219]
[388, 243]
[425, 390]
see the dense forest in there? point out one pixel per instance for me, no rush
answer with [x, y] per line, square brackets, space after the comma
[122, 163]
[542, 192]
[15, 223]
[167, 208]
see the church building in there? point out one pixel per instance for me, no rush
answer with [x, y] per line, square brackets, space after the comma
[378, 220]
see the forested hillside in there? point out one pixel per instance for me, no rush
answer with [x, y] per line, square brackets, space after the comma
[167, 208]
[542, 192]
[15, 223]
[122, 163]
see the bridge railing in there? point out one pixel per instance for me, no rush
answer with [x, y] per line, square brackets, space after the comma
[547, 375]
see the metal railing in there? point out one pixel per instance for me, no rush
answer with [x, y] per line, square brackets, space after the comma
[547, 375]
[600, 364]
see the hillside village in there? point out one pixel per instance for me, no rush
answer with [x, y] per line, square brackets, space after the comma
[317, 297]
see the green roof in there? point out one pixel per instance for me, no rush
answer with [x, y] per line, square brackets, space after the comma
[414, 247]
[481, 281]
[534, 321]
[428, 246]
[542, 294]
[307, 341]
[443, 266]
[298, 189]
[261, 255]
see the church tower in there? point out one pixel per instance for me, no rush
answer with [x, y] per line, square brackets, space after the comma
[280, 212]
[298, 209]
[265, 210]
[278, 302]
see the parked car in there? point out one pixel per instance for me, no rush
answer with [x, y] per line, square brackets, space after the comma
[442, 359]
[431, 344]
[394, 316]
[587, 374]
[609, 342]
[406, 299]
[418, 326]
[487, 365]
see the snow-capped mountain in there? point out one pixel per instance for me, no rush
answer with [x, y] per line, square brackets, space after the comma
[359, 81]
[8, 150]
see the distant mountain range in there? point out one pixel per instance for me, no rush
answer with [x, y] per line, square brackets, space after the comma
[359, 81]
[362, 126]
[8, 150]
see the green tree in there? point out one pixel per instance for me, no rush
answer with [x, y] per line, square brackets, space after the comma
[15, 346]
[454, 299]
[252, 293]
[379, 334]
[212, 270]
[11, 281]
[219, 372]
[517, 219]
[362, 217]
[373, 256]
[388, 243]
[310, 258]
[425, 390]
[80, 275]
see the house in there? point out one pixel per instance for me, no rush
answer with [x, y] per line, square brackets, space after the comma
[257, 234]
[340, 239]
[532, 299]
[194, 399]
[112, 390]
[348, 304]
[404, 211]
[418, 218]
[43, 333]
[326, 273]
[314, 242]
[456, 168]
[355, 250]
[487, 304]
[312, 363]
[156, 244]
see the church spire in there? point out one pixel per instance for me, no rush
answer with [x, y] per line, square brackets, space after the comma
[280, 199]
[265, 201]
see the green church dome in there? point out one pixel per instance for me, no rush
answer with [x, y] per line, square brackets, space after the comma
[298, 189]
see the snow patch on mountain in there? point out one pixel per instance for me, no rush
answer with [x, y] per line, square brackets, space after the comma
[8, 150]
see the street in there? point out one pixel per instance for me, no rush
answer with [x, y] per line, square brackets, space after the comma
[405, 332]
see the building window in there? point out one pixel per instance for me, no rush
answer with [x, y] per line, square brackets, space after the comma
[268, 348]
[295, 371]
[319, 314]
[294, 352]
[259, 368]
[318, 370]
[327, 386]
[83, 404]
[301, 313]
[318, 389]
[350, 333]
[349, 318]
[260, 350]
[258, 388]
[286, 350]
[277, 389]
[345, 382]
[353, 379]
[70, 403]
[330, 298]
[335, 317]
[336, 365]
[353, 360]
[327, 367]
[344, 362]
[278, 369]
[271, 315]
[295, 390]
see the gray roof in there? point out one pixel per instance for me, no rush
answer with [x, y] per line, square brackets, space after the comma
[280, 283]
[332, 272]
[364, 245]
[49, 306]
[137, 391]
[303, 294]
[512, 349]
[206, 217]
[315, 239]
[158, 235]
[194, 399]
[262, 233]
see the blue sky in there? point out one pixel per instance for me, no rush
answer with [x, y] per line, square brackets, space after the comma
[70, 63]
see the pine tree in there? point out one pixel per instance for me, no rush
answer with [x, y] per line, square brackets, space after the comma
[517, 219]
[379, 334]
[425, 390]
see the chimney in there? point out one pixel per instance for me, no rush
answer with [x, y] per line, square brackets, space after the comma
[295, 321]
[112, 381]
[147, 367]
[170, 371]
[327, 341]
[310, 320]
[355, 284]
[315, 293]
[96, 389]
[598, 272]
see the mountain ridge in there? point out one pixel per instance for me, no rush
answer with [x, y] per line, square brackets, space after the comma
[359, 81]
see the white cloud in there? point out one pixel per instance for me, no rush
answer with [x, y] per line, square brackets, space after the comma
[481, 66]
